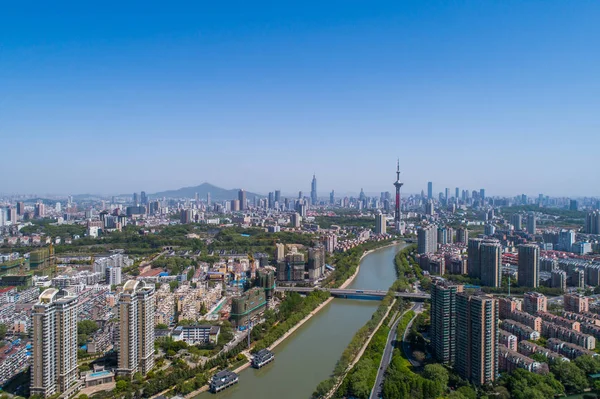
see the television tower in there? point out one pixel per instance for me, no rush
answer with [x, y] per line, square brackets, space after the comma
[398, 217]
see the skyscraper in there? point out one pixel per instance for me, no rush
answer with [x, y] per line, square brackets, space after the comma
[380, 226]
[491, 264]
[531, 223]
[207, 199]
[271, 203]
[332, 197]
[20, 208]
[278, 196]
[462, 235]
[430, 190]
[398, 215]
[54, 368]
[313, 190]
[529, 265]
[135, 199]
[242, 198]
[476, 338]
[482, 195]
[592, 222]
[136, 329]
[443, 321]
[144, 198]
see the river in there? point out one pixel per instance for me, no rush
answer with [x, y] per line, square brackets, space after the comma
[309, 355]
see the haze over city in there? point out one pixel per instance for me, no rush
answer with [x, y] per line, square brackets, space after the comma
[108, 100]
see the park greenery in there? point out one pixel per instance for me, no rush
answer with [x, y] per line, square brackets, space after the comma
[85, 328]
[344, 221]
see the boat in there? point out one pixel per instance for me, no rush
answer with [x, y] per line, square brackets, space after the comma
[222, 380]
[262, 358]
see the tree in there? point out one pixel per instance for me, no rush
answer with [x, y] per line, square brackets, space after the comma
[467, 392]
[3, 330]
[87, 327]
[571, 376]
[162, 326]
[436, 372]
[588, 364]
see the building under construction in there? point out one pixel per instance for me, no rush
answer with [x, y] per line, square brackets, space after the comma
[246, 306]
[292, 267]
[41, 261]
[266, 281]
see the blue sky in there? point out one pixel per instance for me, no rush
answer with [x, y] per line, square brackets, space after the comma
[112, 98]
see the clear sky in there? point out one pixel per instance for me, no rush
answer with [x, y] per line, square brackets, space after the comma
[101, 97]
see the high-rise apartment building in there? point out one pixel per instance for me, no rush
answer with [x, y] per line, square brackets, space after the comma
[427, 239]
[380, 223]
[462, 235]
[242, 199]
[531, 223]
[295, 220]
[576, 303]
[40, 210]
[114, 275]
[491, 264]
[136, 329]
[529, 265]
[476, 338]
[566, 239]
[559, 279]
[54, 368]
[278, 196]
[143, 198]
[517, 221]
[443, 321]
[474, 260]
[592, 222]
[20, 208]
[534, 302]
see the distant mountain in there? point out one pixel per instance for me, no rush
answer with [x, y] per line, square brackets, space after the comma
[216, 193]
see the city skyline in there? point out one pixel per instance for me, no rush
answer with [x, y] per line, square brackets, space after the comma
[92, 99]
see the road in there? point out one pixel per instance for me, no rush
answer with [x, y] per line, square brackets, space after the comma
[387, 354]
[418, 308]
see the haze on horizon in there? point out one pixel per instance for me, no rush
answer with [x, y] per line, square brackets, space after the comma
[116, 98]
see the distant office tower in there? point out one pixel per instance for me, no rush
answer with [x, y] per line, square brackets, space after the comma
[271, 200]
[443, 321]
[380, 226]
[40, 210]
[517, 221]
[534, 302]
[295, 220]
[447, 194]
[566, 239]
[531, 225]
[573, 205]
[491, 264]
[592, 222]
[113, 275]
[299, 194]
[529, 265]
[235, 205]
[135, 199]
[313, 190]
[54, 368]
[207, 199]
[278, 196]
[476, 338]
[20, 208]
[474, 257]
[462, 235]
[144, 198]
[482, 195]
[136, 329]
[456, 194]
[427, 239]
[430, 190]
[559, 279]
[332, 197]
[242, 199]
[489, 229]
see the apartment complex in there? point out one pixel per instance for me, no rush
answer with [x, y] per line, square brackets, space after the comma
[136, 329]
[443, 321]
[54, 368]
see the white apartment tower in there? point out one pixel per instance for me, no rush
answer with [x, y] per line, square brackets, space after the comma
[54, 368]
[136, 329]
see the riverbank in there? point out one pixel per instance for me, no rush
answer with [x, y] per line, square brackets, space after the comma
[350, 279]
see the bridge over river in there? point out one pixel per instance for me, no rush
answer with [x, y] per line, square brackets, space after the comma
[357, 293]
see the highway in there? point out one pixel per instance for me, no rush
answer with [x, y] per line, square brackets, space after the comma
[387, 355]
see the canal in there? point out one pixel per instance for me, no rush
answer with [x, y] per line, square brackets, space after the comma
[309, 355]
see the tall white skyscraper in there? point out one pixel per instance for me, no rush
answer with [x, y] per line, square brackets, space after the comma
[380, 226]
[136, 329]
[113, 275]
[54, 368]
